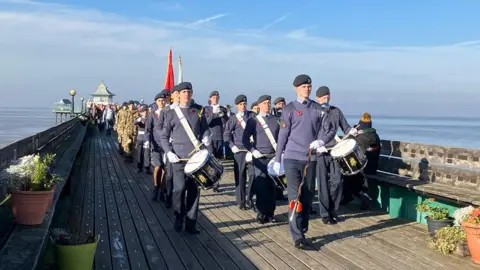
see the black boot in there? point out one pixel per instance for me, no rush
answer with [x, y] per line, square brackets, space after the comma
[190, 226]
[147, 170]
[162, 197]
[178, 222]
[168, 201]
[155, 194]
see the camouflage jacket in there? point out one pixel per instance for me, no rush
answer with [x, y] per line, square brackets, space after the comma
[120, 118]
[129, 127]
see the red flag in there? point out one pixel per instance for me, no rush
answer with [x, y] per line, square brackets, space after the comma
[170, 79]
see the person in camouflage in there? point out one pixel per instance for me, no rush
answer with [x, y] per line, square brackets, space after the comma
[119, 125]
[129, 131]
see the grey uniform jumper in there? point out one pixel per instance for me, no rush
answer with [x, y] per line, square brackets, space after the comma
[330, 182]
[301, 125]
[233, 136]
[143, 155]
[216, 123]
[186, 194]
[159, 128]
[264, 187]
[153, 130]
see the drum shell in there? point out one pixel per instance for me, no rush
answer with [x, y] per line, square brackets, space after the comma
[280, 181]
[353, 162]
[209, 173]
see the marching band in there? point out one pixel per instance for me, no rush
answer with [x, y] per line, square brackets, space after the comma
[292, 147]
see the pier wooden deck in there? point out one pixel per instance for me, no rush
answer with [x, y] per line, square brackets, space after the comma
[112, 200]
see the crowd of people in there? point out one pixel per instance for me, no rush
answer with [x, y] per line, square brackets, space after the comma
[294, 140]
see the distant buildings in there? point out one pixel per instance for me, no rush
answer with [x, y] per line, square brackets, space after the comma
[101, 96]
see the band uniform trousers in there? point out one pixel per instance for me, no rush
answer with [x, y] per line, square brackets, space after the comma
[216, 148]
[143, 155]
[240, 170]
[264, 187]
[294, 173]
[127, 144]
[109, 126]
[186, 194]
[251, 177]
[168, 181]
[330, 186]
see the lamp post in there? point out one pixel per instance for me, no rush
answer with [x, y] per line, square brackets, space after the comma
[73, 92]
[81, 111]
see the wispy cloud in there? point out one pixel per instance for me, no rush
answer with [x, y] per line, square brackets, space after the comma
[48, 49]
[206, 20]
[276, 21]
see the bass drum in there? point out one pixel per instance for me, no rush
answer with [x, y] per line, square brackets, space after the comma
[349, 156]
[279, 179]
[204, 168]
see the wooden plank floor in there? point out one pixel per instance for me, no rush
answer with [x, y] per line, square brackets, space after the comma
[113, 200]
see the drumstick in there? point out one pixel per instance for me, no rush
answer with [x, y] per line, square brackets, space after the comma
[198, 147]
[183, 159]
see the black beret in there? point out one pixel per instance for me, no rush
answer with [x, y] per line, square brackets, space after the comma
[240, 98]
[214, 93]
[302, 79]
[124, 104]
[143, 109]
[253, 105]
[263, 98]
[131, 102]
[183, 86]
[164, 94]
[322, 91]
[277, 100]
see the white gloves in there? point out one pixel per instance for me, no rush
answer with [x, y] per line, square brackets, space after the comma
[235, 149]
[206, 140]
[276, 167]
[170, 140]
[248, 157]
[353, 132]
[164, 157]
[172, 157]
[316, 144]
[146, 145]
[322, 149]
[256, 153]
[216, 109]
[139, 119]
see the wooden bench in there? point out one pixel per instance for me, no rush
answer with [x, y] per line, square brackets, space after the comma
[24, 247]
[449, 174]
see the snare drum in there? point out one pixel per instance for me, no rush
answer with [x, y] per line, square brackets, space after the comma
[280, 179]
[204, 168]
[349, 156]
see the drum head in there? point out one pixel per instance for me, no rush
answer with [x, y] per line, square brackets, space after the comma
[270, 167]
[196, 161]
[343, 148]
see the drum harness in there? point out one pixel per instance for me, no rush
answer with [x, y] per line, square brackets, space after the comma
[188, 130]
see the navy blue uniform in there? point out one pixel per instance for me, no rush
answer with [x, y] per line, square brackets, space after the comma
[263, 185]
[216, 123]
[329, 175]
[301, 124]
[186, 194]
[143, 155]
[233, 136]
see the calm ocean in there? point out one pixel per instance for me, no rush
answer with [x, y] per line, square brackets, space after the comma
[16, 124]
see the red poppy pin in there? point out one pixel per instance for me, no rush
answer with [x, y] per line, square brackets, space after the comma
[239, 123]
[299, 113]
[193, 110]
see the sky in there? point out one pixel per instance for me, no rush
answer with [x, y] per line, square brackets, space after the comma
[412, 58]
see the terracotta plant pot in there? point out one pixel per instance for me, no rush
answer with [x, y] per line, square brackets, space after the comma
[473, 240]
[29, 206]
[50, 200]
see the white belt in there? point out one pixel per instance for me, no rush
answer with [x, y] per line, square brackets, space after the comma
[141, 132]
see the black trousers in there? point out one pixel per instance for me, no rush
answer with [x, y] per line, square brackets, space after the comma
[216, 148]
[143, 155]
[169, 180]
[240, 170]
[354, 185]
[294, 173]
[330, 185]
[264, 187]
[186, 194]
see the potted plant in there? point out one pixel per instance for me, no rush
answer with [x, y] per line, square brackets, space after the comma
[437, 217]
[31, 184]
[74, 251]
[471, 223]
[448, 239]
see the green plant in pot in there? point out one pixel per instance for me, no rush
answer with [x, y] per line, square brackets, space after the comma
[74, 251]
[448, 239]
[437, 217]
[31, 181]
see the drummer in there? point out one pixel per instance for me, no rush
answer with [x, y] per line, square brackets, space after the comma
[264, 128]
[175, 99]
[186, 194]
[300, 126]
[153, 143]
[233, 138]
[329, 175]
